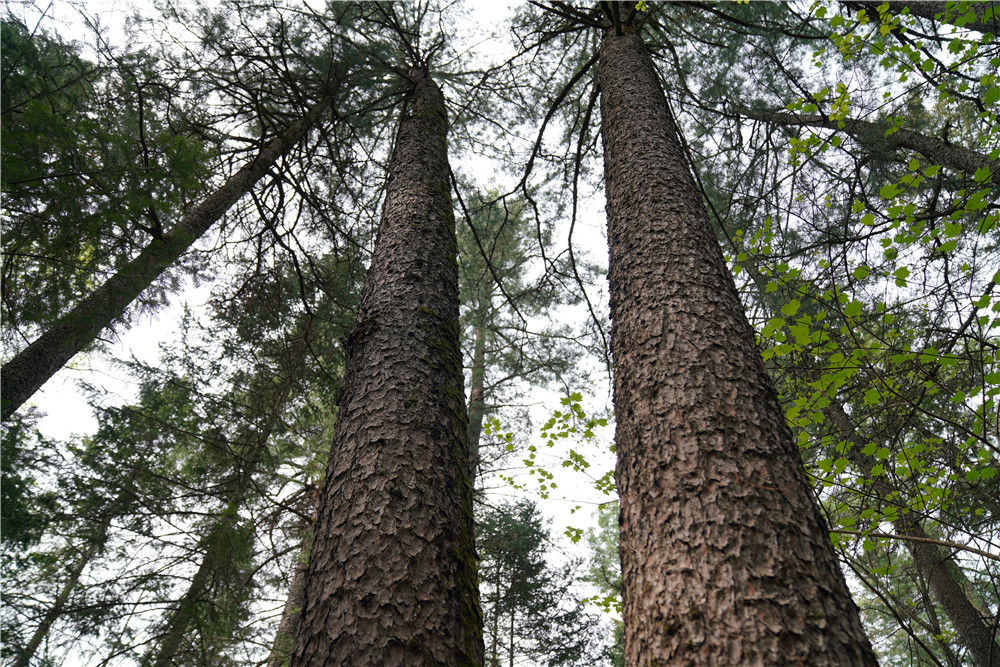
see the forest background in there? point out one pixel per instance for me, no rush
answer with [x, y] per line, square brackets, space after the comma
[848, 157]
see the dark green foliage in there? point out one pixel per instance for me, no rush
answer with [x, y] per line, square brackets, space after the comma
[26, 509]
[96, 163]
[529, 609]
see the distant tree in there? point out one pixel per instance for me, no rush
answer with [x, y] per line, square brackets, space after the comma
[529, 609]
[504, 292]
[604, 571]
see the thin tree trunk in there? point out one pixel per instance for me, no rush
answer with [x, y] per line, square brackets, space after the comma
[284, 638]
[496, 620]
[865, 132]
[55, 611]
[935, 564]
[290, 615]
[477, 405]
[392, 577]
[216, 548]
[725, 556]
[184, 612]
[510, 651]
[23, 375]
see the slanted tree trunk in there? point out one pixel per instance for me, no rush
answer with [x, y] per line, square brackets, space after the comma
[290, 614]
[284, 638]
[23, 658]
[932, 9]
[868, 133]
[181, 616]
[216, 544]
[392, 575]
[23, 375]
[935, 564]
[725, 557]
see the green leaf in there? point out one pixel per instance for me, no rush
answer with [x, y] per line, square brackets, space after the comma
[790, 308]
[888, 191]
[901, 275]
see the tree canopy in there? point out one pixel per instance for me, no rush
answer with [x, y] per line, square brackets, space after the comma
[842, 160]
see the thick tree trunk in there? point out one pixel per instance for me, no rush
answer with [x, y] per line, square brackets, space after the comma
[934, 563]
[392, 576]
[23, 375]
[725, 557]
[867, 133]
[477, 405]
[55, 611]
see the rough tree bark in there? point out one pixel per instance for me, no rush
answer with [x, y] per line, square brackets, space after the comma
[23, 375]
[392, 575]
[725, 556]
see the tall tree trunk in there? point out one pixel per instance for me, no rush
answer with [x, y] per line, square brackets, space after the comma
[510, 648]
[725, 556]
[55, 611]
[23, 375]
[184, 612]
[290, 615]
[392, 576]
[496, 620]
[935, 565]
[477, 404]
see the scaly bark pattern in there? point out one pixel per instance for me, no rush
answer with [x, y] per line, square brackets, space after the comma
[392, 575]
[23, 375]
[725, 557]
